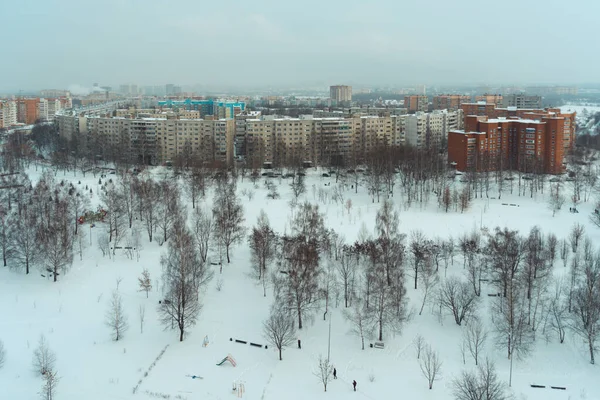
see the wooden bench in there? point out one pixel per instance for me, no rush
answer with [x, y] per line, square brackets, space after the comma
[379, 345]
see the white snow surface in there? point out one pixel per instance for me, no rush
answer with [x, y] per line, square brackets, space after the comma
[70, 313]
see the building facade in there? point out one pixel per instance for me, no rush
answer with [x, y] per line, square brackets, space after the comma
[535, 143]
[416, 103]
[340, 93]
[8, 113]
[217, 109]
[522, 101]
[431, 129]
[489, 98]
[450, 101]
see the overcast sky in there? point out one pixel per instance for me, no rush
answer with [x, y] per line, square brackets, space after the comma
[59, 43]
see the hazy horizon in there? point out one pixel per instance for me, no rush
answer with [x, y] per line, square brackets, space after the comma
[66, 43]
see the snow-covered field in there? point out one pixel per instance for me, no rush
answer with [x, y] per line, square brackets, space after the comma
[70, 313]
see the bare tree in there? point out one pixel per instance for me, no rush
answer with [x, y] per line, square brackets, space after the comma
[464, 199]
[263, 245]
[229, 218]
[446, 199]
[142, 315]
[564, 251]
[301, 261]
[457, 297]
[169, 208]
[298, 186]
[551, 248]
[431, 365]
[324, 371]
[50, 383]
[25, 244]
[57, 246]
[429, 280]
[359, 317]
[2, 354]
[116, 319]
[510, 324]
[346, 267]
[576, 235]
[202, 227]
[6, 241]
[195, 184]
[420, 344]
[556, 200]
[586, 307]
[148, 198]
[475, 337]
[559, 311]
[145, 282]
[483, 385]
[419, 248]
[279, 328]
[505, 253]
[43, 357]
[183, 276]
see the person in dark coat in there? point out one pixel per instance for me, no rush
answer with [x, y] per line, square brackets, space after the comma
[354, 384]
[334, 373]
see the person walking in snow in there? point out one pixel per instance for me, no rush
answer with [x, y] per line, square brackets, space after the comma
[354, 384]
[334, 373]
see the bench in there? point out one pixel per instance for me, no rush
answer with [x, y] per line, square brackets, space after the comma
[379, 345]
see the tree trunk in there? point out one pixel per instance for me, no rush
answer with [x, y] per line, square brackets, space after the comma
[591, 346]
[280, 354]
[228, 260]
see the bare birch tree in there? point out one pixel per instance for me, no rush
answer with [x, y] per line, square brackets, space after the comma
[116, 319]
[229, 218]
[457, 297]
[50, 383]
[431, 365]
[183, 276]
[43, 357]
[359, 317]
[202, 227]
[279, 328]
[145, 282]
[475, 337]
[482, 385]
[324, 371]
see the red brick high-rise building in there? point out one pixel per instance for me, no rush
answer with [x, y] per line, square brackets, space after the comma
[27, 110]
[528, 141]
[449, 101]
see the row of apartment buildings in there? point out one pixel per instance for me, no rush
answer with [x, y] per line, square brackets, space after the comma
[417, 103]
[29, 110]
[529, 140]
[158, 136]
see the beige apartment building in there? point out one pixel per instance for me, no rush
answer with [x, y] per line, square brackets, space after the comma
[8, 114]
[323, 141]
[340, 93]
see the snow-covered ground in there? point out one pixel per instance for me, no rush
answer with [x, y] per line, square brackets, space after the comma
[70, 313]
[584, 111]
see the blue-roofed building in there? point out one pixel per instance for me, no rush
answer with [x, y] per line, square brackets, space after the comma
[219, 109]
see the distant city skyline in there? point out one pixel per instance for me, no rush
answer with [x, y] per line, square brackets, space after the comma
[271, 43]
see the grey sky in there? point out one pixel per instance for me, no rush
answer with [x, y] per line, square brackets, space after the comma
[57, 43]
